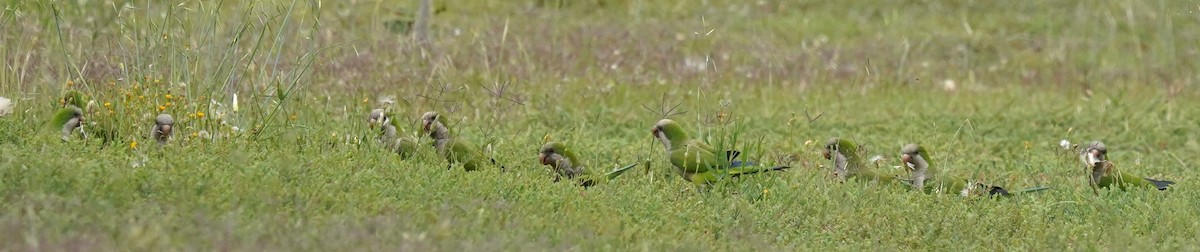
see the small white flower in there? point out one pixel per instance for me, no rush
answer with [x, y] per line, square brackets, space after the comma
[876, 158]
[6, 106]
[235, 106]
[1065, 144]
[949, 85]
[235, 129]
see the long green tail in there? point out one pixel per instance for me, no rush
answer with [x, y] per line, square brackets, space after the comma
[617, 172]
[739, 171]
[1000, 191]
[591, 181]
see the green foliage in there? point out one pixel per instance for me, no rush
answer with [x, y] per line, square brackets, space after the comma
[296, 167]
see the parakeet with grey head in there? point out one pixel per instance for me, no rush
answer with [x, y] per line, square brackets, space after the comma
[453, 149]
[848, 162]
[566, 164]
[163, 126]
[696, 161]
[388, 135]
[67, 120]
[1104, 174]
[923, 177]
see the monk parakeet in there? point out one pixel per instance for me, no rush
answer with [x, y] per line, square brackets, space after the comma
[924, 178]
[452, 148]
[162, 128]
[696, 161]
[1105, 174]
[566, 164]
[848, 162]
[96, 126]
[67, 119]
[387, 133]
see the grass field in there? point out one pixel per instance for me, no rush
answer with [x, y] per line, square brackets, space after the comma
[290, 164]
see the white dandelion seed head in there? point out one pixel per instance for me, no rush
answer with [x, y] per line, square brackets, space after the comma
[6, 106]
[1064, 144]
[949, 85]
[387, 100]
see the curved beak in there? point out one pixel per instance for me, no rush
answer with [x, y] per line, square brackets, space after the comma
[907, 159]
[165, 129]
[654, 131]
[1094, 157]
[826, 154]
[372, 122]
[542, 159]
[426, 125]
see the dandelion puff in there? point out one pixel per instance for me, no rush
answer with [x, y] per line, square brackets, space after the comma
[876, 158]
[949, 85]
[387, 101]
[6, 106]
[1065, 144]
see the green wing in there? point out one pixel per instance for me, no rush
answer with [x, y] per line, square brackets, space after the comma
[405, 147]
[467, 155]
[60, 117]
[589, 180]
[694, 160]
[1126, 180]
[76, 98]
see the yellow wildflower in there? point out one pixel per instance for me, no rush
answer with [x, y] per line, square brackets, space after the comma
[107, 104]
[161, 108]
[133, 145]
[200, 114]
[168, 96]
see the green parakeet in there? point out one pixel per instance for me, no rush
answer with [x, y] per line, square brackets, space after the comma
[162, 128]
[1105, 174]
[566, 164]
[696, 161]
[924, 178]
[388, 126]
[67, 120]
[452, 148]
[96, 126]
[848, 162]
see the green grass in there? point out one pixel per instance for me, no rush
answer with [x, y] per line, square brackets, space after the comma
[301, 172]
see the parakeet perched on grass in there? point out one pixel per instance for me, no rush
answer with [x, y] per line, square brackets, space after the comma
[848, 162]
[1105, 175]
[566, 164]
[163, 126]
[452, 148]
[924, 177]
[388, 134]
[696, 161]
[93, 127]
[67, 120]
